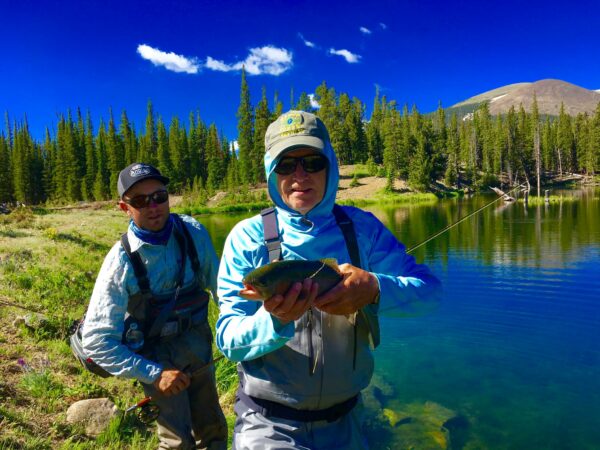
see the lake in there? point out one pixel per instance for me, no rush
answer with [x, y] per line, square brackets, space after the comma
[511, 359]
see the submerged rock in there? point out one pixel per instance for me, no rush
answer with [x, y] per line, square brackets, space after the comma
[392, 424]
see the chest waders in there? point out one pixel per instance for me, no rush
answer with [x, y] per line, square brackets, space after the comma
[164, 316]
[365, 317]
[158, 316]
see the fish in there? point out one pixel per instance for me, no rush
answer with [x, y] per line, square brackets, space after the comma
[277, 277]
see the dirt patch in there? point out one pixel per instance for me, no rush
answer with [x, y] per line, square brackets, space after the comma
[368, 187]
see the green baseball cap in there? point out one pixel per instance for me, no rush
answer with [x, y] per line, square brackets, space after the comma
[295, 129]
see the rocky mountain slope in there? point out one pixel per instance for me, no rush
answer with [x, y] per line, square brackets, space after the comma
[550, 94]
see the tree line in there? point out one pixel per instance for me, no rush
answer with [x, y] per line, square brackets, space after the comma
[78, 163]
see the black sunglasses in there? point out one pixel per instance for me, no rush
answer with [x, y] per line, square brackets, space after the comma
[141, 201]
[310, 164]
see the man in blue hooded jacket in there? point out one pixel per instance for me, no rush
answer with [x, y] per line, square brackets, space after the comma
[302, 361]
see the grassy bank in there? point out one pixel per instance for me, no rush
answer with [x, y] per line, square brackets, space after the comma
[48, 262]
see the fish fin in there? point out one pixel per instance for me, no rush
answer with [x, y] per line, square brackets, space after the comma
[352, 318]
[331, 262]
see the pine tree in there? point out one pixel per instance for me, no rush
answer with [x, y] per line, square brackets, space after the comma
[6, 182]
[164, 156]
[49, 155]
[114, 152]
[200, 136]
[592, 153]
[564, 141]
[91, 168]
[178, 150]
[262, 121]
[245, 133]
[328, 113]
[24, 165]
[419, 175]
[216, 170]
[149, 141]
[452, 175]
[440, 136]
[303, 103]
[343, 147]
[395, 161]
[128, 139]
[68, 180]
[278, 108]
[9, 134]
[373, 131]
[537, 150]
[101, 188]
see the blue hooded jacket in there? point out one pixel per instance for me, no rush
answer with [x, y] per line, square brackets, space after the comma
[308, 364]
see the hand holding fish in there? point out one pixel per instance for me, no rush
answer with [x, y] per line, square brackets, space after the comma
[294, 303]
[357, 289]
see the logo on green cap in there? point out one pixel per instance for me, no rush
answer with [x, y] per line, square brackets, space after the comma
[291, 123]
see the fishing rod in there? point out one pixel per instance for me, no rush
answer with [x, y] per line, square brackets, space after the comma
[447, 227]
[149, 411]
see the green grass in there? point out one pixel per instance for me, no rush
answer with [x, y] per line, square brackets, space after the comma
[384, 198]
[49, 260]
[534, 200]
[241, 207]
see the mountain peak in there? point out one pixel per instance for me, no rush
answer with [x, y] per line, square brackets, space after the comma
[550, 93]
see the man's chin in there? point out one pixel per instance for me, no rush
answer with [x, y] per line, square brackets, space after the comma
[156, 225]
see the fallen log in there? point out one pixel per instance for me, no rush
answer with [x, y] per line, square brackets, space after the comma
[501, 193]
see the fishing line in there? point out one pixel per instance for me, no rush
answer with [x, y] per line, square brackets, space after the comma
[447, 227]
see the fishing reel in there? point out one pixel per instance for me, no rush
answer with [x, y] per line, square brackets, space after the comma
[147, 412]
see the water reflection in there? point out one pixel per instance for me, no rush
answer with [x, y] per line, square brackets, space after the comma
[511, 359]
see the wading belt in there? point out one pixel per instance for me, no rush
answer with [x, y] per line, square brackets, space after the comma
[273, 409]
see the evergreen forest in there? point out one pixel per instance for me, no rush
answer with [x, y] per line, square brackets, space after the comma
[81, 161]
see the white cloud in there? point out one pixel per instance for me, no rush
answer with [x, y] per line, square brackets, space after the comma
[170, 61]
[215, 64]
[383, 26]
[261, 60]
[313, 102]
[269, 60]
[365, 30]
[307, 42]
[348, 56]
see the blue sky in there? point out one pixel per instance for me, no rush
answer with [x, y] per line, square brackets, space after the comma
[185, 55]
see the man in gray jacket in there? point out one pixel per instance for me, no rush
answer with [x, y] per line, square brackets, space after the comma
[155, 281]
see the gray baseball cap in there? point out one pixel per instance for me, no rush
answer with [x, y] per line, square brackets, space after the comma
[295, 129]
[136, 172]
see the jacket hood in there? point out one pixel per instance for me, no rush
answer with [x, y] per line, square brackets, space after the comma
[325, 207]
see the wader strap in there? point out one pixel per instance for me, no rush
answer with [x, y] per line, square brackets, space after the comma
[347, 228]
[271, 233]
[139, 269]
[273, 409]
[191, 248]
[370, 319]
[165, 311]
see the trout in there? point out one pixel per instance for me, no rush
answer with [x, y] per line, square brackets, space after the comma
[277, 277]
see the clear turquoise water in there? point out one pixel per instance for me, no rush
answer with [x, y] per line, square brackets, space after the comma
[514, 349]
